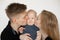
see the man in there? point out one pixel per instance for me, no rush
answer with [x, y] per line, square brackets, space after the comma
[16, 13]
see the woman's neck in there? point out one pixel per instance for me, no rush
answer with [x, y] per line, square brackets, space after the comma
[44, 35]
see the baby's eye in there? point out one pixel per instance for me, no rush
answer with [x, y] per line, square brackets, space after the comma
[32, 18]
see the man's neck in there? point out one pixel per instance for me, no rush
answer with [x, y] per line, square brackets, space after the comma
[14, 26]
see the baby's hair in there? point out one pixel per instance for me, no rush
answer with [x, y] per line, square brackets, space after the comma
[32, 11]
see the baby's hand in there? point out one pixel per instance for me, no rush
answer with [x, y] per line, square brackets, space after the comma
[21, 29]
[38, 35]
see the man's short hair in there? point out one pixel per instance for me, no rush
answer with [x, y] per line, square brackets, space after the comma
[14, 9]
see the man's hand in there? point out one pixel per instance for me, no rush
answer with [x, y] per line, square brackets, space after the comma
[25, 37]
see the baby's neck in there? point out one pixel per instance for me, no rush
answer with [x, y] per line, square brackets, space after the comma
[30, 24]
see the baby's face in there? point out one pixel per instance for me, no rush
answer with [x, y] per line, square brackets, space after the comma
[31, 18]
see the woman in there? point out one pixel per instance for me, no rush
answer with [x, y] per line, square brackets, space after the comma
[48, 25]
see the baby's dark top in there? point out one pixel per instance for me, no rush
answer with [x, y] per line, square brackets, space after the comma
[32, 30]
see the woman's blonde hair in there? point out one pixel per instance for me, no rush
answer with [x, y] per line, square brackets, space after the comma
[49, 24]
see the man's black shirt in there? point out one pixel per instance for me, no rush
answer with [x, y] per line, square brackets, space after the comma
[9, 34]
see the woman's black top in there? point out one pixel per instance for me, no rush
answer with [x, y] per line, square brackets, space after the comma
[48, 38]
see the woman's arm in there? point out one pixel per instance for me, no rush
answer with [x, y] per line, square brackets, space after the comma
[38, 35]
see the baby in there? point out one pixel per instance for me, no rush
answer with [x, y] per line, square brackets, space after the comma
[31, 28]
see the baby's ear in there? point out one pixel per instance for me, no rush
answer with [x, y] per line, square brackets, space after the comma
[35, 20]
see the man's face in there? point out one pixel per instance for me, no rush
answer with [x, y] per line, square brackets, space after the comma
[21, 20]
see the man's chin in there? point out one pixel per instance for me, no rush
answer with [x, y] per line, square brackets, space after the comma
[23, 24]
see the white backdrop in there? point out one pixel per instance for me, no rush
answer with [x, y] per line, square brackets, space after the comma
[37, 5]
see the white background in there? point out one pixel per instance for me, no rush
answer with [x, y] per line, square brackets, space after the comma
[37, 5]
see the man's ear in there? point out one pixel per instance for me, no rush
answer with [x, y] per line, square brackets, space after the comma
[14, 20]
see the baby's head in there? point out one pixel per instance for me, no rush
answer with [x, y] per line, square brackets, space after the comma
[31, 14]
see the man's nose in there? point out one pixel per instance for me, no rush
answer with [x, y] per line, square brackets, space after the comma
[24, 20]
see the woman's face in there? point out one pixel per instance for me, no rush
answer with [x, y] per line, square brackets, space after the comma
[39, 20]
